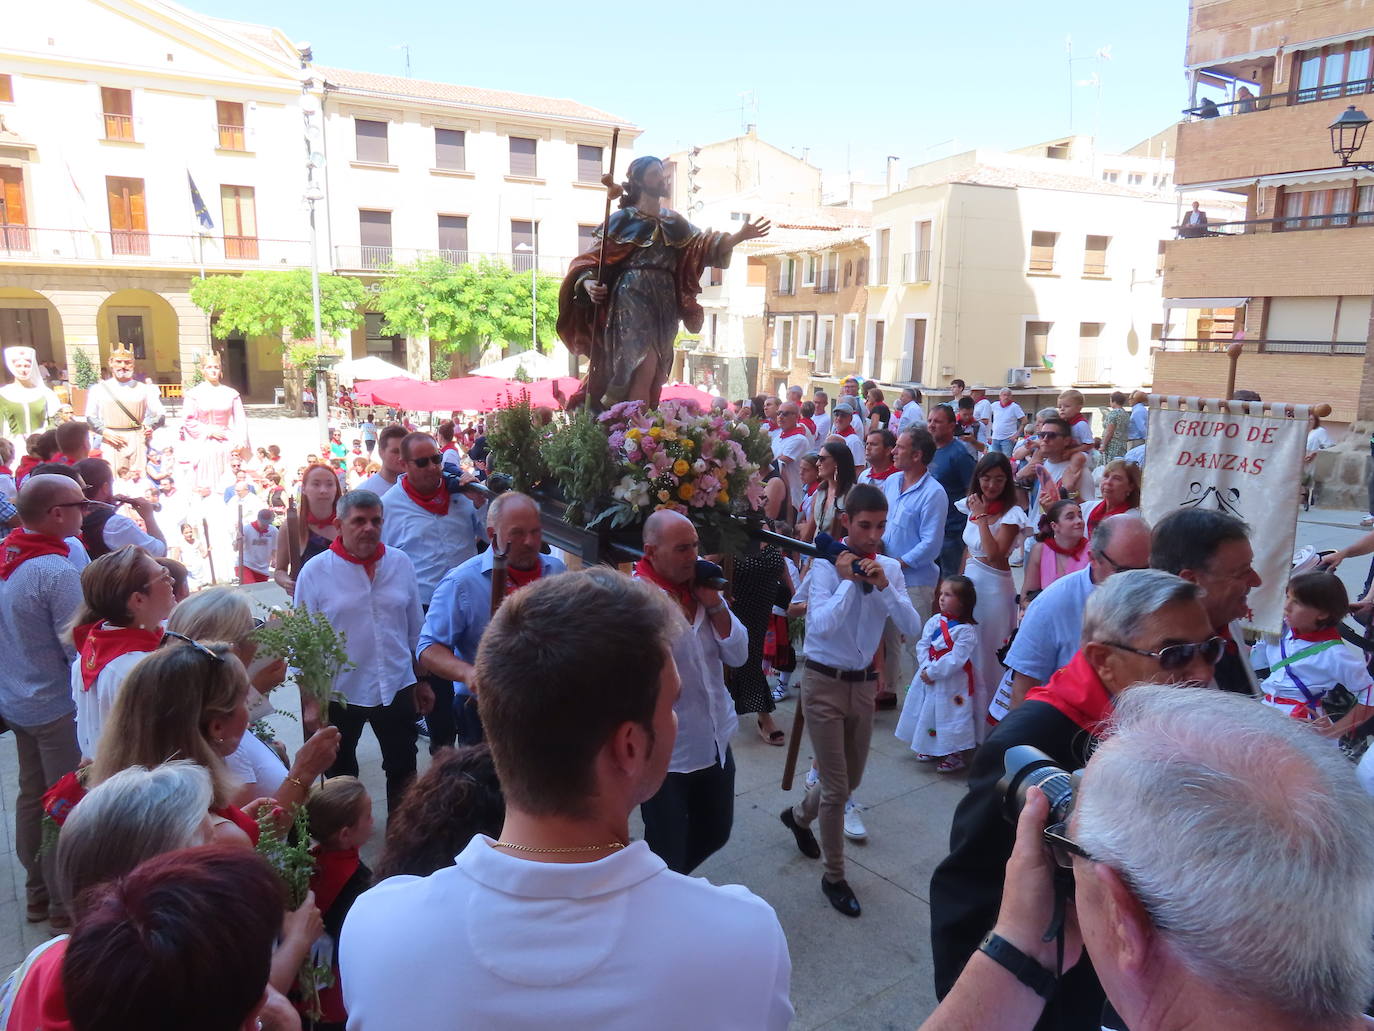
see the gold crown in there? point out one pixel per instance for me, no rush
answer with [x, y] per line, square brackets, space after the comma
[119, 349]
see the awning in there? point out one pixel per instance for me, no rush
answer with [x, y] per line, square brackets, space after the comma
[1204, 302]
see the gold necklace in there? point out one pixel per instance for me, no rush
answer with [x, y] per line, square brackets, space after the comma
[614, 846]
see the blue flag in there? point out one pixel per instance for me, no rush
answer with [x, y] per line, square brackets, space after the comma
[197, 202]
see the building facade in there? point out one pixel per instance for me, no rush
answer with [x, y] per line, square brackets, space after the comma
[1288, 278]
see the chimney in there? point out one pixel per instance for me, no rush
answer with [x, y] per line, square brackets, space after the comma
[892, 160]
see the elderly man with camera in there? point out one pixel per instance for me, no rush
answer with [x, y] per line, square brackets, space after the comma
[690, 816]
[1140, 626]
[1205, 897]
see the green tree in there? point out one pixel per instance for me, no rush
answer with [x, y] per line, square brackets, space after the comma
[279, 304]
[464, 308]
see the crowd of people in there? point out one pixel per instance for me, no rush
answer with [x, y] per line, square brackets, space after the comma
[556, 703]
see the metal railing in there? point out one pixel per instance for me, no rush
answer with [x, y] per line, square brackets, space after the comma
[1092, 369]
[1285, 224]
[1264, 346]
[36, 245]
[916, 267]
[1265, 101]
[373, 257]
[231, 137]
[119, 127]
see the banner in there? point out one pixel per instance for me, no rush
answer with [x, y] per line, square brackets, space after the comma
[1241, 458]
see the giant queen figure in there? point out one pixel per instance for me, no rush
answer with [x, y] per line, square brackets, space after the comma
[625, 322]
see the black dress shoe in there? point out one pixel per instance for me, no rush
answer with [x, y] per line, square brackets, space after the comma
[841, 897]
[806, 841]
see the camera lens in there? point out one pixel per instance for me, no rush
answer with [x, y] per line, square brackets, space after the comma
[1027, 767]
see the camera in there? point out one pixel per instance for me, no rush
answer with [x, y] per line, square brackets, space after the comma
[1027, 767]
[708, 574]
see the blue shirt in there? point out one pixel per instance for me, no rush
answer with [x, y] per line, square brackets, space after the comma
[953, 466]
[915, 526]
[461, 608]
[1052, 627]
[1140, 421]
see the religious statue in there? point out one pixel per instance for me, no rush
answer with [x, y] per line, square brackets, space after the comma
[621, 302]
[124, 411]
[27, 405]
[213, 418]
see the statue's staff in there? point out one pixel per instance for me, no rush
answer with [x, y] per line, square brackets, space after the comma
[613, 191]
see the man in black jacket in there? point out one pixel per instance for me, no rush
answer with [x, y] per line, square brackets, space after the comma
[1139, 626]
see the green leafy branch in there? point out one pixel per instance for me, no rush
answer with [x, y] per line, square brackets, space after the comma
[313, 648]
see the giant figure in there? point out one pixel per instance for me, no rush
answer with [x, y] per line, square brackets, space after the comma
[626, 324]
[27, 405]
[124, 411]
[213, 417]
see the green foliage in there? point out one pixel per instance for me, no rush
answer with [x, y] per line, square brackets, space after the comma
[302, 354]
[515, 440]
[197, 374]
[464, 308]
[312, 647]
[84, 373]
[289, 855]
[579, 458]
[279, 303]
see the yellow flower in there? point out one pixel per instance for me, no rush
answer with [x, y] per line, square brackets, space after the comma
[670, 434]
[723, 498]
[633, 433]
[655, 432]
[687, 443]
[681, 466]
[663, 495]
[685, 491]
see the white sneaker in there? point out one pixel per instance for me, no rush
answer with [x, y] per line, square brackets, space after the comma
[854, 828]
[1367, 520]
[813, 776]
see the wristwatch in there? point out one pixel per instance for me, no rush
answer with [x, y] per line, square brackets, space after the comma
[1022, 967]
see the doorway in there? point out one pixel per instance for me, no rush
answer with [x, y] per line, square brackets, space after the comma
[235, 362]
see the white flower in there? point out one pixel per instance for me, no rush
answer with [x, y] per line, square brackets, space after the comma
[631, 490]
[699, 466]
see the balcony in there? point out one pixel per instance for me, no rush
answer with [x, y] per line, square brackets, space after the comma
[40, 246]
[1333, 378]
[1092, 369]
[1244, 260]
[916, 267]
[119, 127]
[1213, 345]
[1208, 110]
[231, 137]
[376, 258]
[829, 282]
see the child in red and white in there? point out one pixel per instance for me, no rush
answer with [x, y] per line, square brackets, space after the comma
[1310, 659]
[1070, 405]
[937, 719]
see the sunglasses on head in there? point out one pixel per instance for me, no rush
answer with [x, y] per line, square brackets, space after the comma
[214, 657]
[1178, 656]
[420, 463]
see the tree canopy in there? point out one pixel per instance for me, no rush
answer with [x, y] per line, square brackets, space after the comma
[278, 303]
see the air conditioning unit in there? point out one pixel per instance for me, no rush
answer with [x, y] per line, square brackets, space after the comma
[1018, 378]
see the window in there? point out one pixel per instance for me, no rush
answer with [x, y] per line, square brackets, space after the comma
[861, 271]
[712, 328]
[787, 276]
[523, 244]
[810, 264]
[129, 330]
[914, 350]
[851, 336]
[1340, 69]
[371, 141]
[825, 344]
[588, 241]
[1095, 255]
[239, 207]
[1111, 177]
[830, 273]
[1159, 258]
[1088, 370]
[1305, 209]
[6, 90]
[877, 331]
[1156, 331]
[1037, 344]
[848, 271]
[380, 344]
[374, 233]
[450, 149]
[1364, 202]
[806, 337]
[229, 115]
[1042, 251]
[588, 164]
[128, 215]
[921, 273]
[782, 342]
[118, 106]
[522, 157]
[715, 276]
[884, 244]
[14, 233]
[453, 238]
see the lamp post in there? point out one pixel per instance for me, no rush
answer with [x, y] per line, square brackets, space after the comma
[1347, 137]
[314, 193]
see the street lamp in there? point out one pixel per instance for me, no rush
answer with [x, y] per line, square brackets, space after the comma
[314, 193]
[1347, 137]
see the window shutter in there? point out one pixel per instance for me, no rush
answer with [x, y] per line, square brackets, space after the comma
[586, 241]
[1042, 251]
[1095, 256]
[450, 149]
[371, 140]
[453, 237]
[588, 164]
[522, 157]
[12, 197]
[374, 228]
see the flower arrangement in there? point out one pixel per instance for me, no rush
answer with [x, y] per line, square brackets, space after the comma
[701, 465]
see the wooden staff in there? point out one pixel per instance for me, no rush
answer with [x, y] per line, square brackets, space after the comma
[242, 567]
[789, 766]
[293, 529]
[209, 551]
[498, 576]
[612, 192]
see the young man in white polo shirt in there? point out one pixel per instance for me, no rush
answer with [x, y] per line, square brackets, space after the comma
[789, 446]
[564, 918]
[849, 603]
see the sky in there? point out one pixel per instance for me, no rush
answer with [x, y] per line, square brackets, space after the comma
[844, 84]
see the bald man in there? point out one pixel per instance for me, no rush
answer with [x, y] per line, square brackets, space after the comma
[40, 590]
[691, 815]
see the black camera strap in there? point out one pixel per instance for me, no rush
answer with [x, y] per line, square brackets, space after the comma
[1063, 892]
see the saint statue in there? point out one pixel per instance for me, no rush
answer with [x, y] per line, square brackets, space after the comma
[124, 411]
[626, 322]
[27, 405]
[213, 418]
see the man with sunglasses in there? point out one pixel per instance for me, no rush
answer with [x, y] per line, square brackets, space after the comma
[1142, 626]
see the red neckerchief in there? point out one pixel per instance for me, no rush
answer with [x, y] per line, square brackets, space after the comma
[1076, 553]
[518, 578]
[769, 425]
[1100, 512]
[6, 471]
[436, 504]
[1328, 633]
[681, 593]
[100, 645]
[26, 466]
[1077, 692]
[368, 564]
[879, 477]
[794, 431]
[861, 554]
[810, 424]
[261, 529]
[333, 869]
[1232, 648]
[1080, 417]
[810, 488]
[310, 520]
[992, 509]
[848, 431]
[21, 545]
[1006, 404]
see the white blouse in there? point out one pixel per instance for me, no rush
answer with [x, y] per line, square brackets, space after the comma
[1014, 516]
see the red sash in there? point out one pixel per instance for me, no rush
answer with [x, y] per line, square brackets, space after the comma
[436, 504]
[22, 545]
[100, 645]
[369, 564]
[1077, 692]
[936, 652]
[683, 594]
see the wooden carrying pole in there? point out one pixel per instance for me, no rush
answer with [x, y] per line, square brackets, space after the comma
[612, 192]
[498, 577]
[209, 551]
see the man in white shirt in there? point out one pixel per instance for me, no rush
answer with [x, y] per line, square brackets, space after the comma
[849, 395]
[1007, 419]
[908, 415]
[690, 816]
[878, 445]
[104, 530]
[982, 408]
[389, 454]
[844, 429]
[790, 444]
[368, 591]
[770, 416]
[821, 417]
[849, 603]
[257, 544]
[564, 917]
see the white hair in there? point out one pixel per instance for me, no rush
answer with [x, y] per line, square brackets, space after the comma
[1247, 839]
[1117, 611]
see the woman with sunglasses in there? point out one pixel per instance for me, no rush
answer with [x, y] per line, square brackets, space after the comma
[835, 466]
[223, 614]
[125, 598]
[317, 524]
